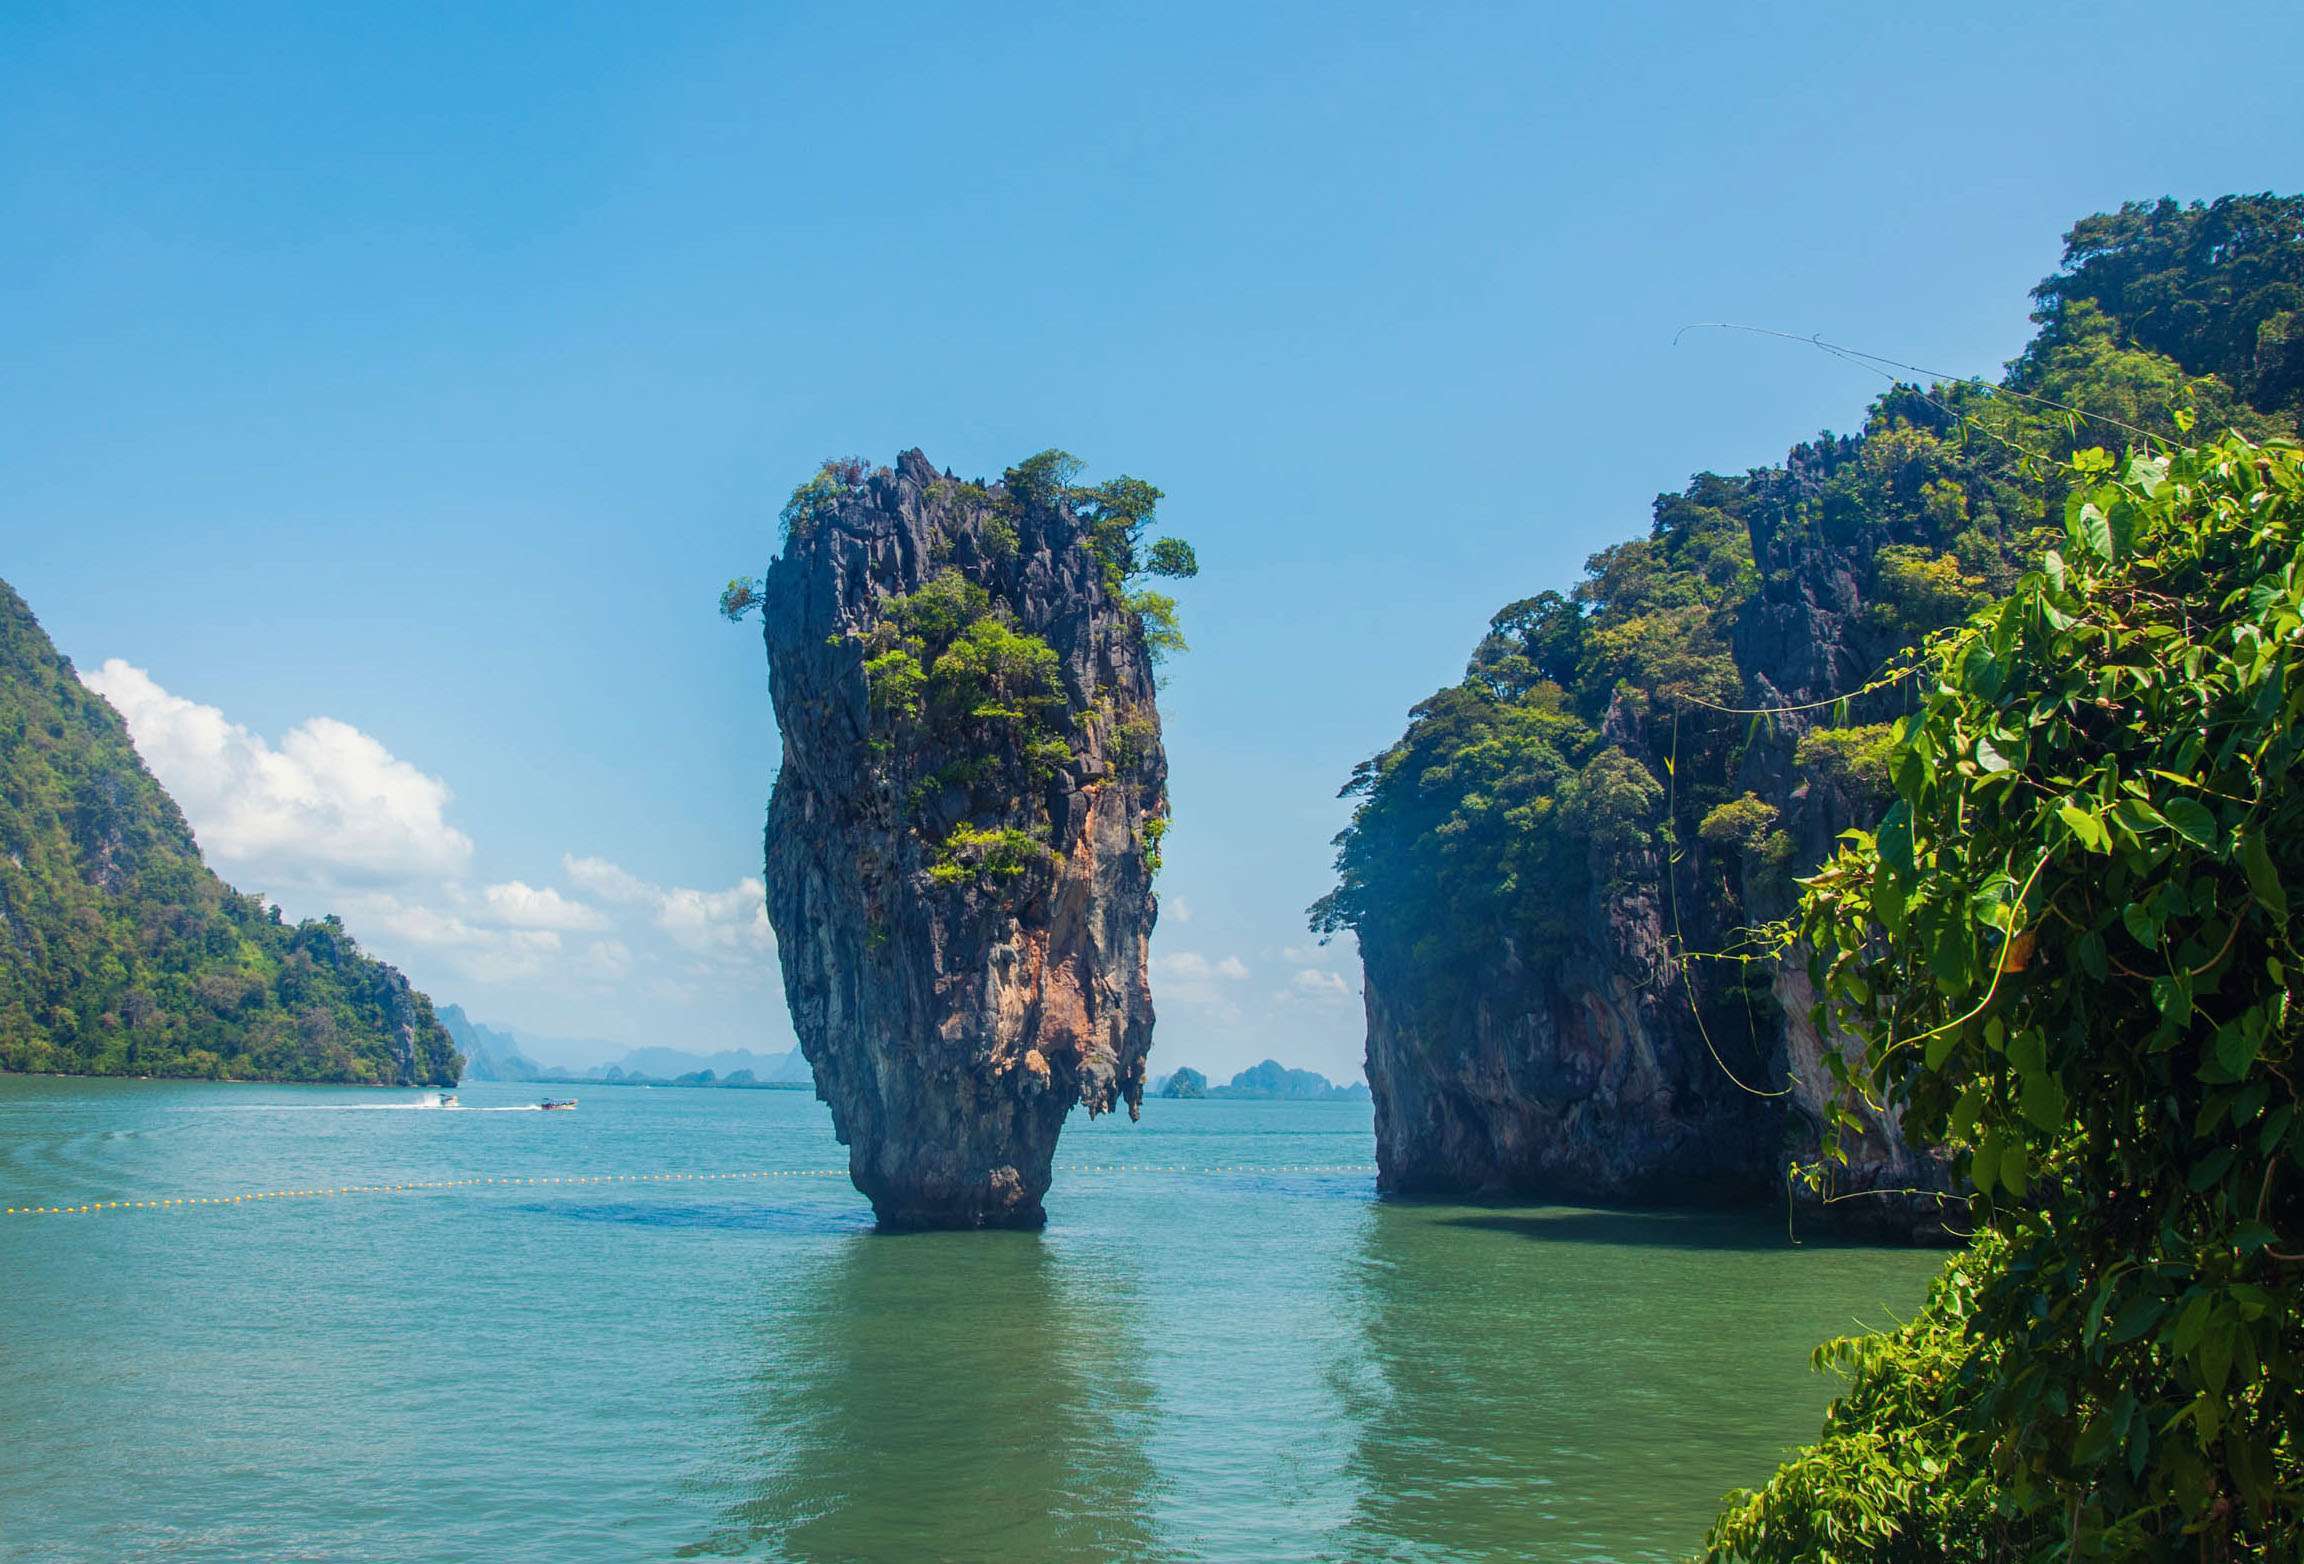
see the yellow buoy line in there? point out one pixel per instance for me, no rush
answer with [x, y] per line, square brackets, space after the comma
[189, 1202]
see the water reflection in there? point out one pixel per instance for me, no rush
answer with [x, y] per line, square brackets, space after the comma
[947, 1397]
[1578, 1385]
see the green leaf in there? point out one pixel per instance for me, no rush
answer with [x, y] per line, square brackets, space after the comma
[2263, 879]
[2214, 1354]
[2208, 1170]
[2140, 1314]
[2138, 816]
[1888, 901]
[2043, 1101]
[2235, 1048]
[1941, 1045]
[2086, 828]
[2091, 532]
[2015, 1168]
[2185, 1334]
[1963, 1120]
[2141, 926]
[1984, 1164]
[1896, 843]
[2251, 1236]
[2094, 959]
[2193, 820]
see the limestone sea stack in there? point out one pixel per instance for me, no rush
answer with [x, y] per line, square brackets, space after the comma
[962, 840]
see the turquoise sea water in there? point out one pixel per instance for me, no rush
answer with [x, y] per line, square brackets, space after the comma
[1221, 1348]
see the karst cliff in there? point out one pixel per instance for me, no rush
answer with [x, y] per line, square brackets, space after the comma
[962, 839]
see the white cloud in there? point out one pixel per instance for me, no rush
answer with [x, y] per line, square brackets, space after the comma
[608, 882]
[325, 818]
[1318, 983]
[1190, 979]
[1189, 966]
[524, 906]
[728, 921]
[1178, 908]
[329, 805]
[730, 926]
[489, 955]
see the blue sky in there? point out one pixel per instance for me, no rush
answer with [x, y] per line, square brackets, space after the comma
[391, 388]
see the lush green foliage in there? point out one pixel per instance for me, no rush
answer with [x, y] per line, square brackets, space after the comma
[970, 714]
[1854, 761]
[1118, 512]
[2096, 771]
[944, 656]
[121, 954]
[2070, 955]
[2219, 288]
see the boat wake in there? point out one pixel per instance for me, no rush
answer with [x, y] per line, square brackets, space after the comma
[430, 1102]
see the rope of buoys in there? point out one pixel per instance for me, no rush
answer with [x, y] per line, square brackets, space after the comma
[324, 1192]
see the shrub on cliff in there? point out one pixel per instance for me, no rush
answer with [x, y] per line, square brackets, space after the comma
[2071, 956]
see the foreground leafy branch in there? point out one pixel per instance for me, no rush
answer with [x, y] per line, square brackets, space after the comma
[2069, 952]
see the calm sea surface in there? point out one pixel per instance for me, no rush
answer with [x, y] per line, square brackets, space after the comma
[1221, 1348]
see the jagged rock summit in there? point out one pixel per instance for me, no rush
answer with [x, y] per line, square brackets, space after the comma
[961, 842]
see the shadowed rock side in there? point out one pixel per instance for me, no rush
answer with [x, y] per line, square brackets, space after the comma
[959, 865]
[1578, 1078]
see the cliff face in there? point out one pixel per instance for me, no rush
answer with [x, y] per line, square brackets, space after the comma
[120, 953]
[1558, 1089]
[961, 841]
[1556, 871]
[1576, 1075]
[1615, 1062]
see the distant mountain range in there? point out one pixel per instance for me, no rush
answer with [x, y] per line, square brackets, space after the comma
[1270, 1081]
[497, 1054]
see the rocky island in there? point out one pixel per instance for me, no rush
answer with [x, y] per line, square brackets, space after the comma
[962, 839]
[1563, 875]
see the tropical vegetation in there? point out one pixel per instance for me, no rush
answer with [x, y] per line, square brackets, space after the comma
[122, 954]
[2068, 954]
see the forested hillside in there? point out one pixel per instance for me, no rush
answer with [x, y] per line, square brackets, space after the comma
[125, 955]
[1551, 870]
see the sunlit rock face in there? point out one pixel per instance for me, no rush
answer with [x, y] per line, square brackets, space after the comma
[961, 841]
